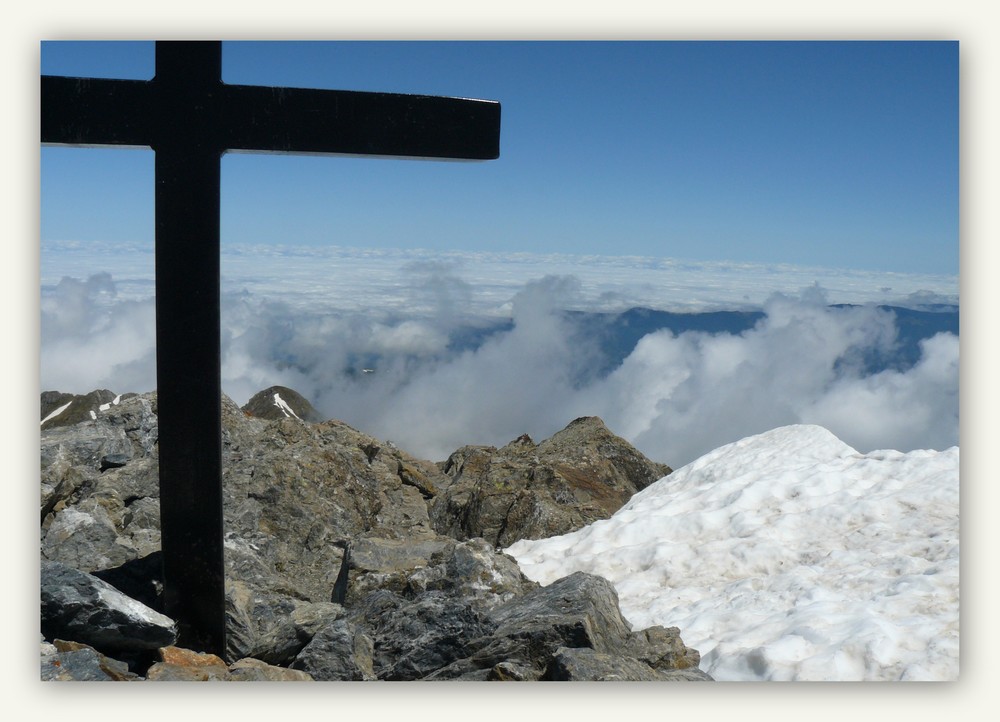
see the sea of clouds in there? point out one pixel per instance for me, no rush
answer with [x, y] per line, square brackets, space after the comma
[312, 319]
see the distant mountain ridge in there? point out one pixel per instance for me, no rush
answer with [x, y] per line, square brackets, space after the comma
[63, 409]
[618, 333]
[59, 408]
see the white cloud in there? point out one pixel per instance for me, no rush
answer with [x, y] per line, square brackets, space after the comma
[675, 397]
[91, 340]
[916, 409]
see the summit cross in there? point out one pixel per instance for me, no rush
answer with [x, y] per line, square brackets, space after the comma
[189, 117]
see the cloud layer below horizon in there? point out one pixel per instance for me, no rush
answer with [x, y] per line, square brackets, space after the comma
[675, 396]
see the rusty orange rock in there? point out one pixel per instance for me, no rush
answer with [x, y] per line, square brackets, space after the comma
[189, 658]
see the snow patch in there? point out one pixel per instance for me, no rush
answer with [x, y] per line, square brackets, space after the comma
[113, 402]
[787, 556]
[284, 407]
[56, 412]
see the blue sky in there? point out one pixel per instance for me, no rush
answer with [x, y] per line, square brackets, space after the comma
[829, 154]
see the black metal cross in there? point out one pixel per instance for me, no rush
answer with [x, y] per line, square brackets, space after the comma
[189, 117]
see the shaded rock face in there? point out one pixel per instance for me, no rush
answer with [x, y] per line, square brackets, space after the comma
[533, 491]
[338, 563]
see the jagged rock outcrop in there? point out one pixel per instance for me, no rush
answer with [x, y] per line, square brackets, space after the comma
[579, 612]
[526, 490]
[337, 564]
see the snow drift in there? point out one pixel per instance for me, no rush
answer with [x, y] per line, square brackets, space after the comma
[787, 556]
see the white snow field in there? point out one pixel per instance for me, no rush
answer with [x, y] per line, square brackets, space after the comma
[787, 556]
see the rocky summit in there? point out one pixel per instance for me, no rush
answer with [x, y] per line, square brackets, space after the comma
[346, 558]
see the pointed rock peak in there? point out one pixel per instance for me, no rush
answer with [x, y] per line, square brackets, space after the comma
[281, 402]
[586, 429]
[593, 423]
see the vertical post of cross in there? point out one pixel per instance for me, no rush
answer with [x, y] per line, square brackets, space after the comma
[189, 117]
[187, 176]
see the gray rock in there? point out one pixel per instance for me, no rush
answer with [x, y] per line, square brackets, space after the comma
[528, 491]
[339, 651]
[589, 665]
[113, 513]
[127, 428]
[661, 648]
[376, 563]
[282, 643]
[580, 610]
[84, 444]
[413, 638]
[68, 661]
[509, 672]
[80, 607]
[253, 670]
[85, 537]
[60, 482]
[113, 461]
[470, 570]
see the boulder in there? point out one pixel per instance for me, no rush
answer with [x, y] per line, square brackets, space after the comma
[79, 607]
[340, 651]
[415, 637]
[283, 642]
[184, 665]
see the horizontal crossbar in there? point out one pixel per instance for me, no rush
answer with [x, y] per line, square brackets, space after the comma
[85, 111]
